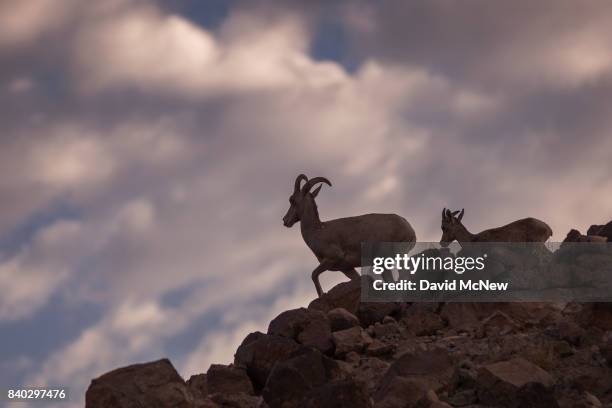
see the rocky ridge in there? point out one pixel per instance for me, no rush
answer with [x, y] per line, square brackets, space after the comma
[341, 352]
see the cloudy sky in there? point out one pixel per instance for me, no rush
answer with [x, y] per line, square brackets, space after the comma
[148, 149]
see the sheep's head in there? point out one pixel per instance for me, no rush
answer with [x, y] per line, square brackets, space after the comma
[451, 222]
[301, 197]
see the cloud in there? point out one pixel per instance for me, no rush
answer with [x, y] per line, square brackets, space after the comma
[27, 21]
[143, 48]
[523, 45]
[177, 146]
[31, 276]
[20, 85]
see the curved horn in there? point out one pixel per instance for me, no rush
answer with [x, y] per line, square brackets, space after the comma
[460, 216]
[444, 212]
[310, 183]
[298, 181]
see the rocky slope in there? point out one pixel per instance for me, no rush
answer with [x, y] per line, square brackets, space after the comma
[340, 352]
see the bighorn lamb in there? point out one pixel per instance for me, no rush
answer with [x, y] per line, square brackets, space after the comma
[524, 230]
[337, 243]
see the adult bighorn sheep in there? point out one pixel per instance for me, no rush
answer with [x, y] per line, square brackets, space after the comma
[337, 243]
[524, 230]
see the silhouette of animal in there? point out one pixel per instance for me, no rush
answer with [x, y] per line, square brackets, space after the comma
[337, 243]
[524, 230]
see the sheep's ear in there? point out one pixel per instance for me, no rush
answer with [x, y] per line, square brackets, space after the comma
[461, 214]
[316, 191]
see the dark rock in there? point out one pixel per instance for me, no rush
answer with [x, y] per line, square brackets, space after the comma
[353, 339]
[400, 392]
[258, 354]
[308, 327]
[378, 349]
[292, 379]
[505, 383]
[422, 320]
[431, 368]
[431, 400]
[576, 236]
[535, 395]
[464, 376]
[601, 230]
[463, 315]
[222, 379]
[346, 295]
[155, 384]
[463, 398]
[563, 348]
[341, 393]
[239, 400]
[419, 355]
[340, 319]
[367, 370]
[570, 332]
[389, 330]
[198, 385]
[374, 312]
[594, 229]
[606, 352]
[597, 315]
[497, 324]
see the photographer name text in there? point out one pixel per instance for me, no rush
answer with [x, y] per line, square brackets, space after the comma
[449, 286]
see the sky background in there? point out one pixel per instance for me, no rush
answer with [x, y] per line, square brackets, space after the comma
[148, 150]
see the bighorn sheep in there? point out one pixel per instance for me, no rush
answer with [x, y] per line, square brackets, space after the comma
[524, 230]
[337, 243]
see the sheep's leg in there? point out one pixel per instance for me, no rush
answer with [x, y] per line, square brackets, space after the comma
[315, 277]
[352, 274]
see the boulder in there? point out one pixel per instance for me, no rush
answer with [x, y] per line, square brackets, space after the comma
[308, 327]
[386, 331]
[377, 348]
[400, 392]
[597, 315]
[222, 379]
[340, 393]
[594, 229]
[576, 236]
[570, 332]
[498, 323]
[462, 316]
[198, 386]
[422, 320]
[353, 339]
[601, 230]
[239, 400]
[346, 295]
[431, 400]
[367, 370]
[606, 352]
[340, 319]
[433, 369]
[291, 380]
[507, 383]
[155, 384]
[259, 352]
[373, 312]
